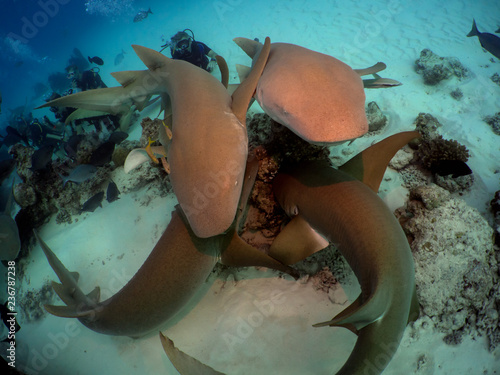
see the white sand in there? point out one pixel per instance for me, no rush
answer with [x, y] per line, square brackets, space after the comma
[226, 329]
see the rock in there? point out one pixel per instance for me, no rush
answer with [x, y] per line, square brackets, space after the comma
[457, 94]
[376, 119]
[455, 266]
[436, 69]
[493, 122]
[24, 195]
[427, 125]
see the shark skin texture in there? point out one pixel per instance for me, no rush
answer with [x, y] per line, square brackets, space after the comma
[207, 180]
[316, 96]
[348, 211]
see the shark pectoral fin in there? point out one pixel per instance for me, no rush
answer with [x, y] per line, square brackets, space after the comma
[359, 314]
[243, 71]
[83, 113]
[249, 46]
[245, 91]
[64, 293]
[241, 254]
[369, 166]
[296, 242]
[414, 307]
[378, 67]
[71, 311]
[104, 100]
[95, 295]
[75, 276]
[184, 363]
[224, 70]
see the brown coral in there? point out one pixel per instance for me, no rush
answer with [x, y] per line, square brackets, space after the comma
[441, 149]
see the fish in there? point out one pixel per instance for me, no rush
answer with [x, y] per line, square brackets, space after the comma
[10, 243]
[41, 158]
[96, 60]
[318, 97]
[142, 15]
[92, 203]
[81, 173]
[498, 31]
[71, 146]
[343, 205]
[455, 168]
[208, 188]
[119, 58]
[489, 42]
[102, 155]
[377, 82]
[112, 192]
[117, 137]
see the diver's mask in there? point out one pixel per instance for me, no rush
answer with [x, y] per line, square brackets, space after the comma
[183, 45]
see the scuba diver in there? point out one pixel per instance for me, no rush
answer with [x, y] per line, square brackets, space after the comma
[83, 81]
[184, 47]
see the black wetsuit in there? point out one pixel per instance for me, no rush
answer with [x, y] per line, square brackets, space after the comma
[90, 80]
[197, 55]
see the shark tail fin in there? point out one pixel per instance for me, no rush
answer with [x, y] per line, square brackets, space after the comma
[474, 31]
[249, 46]
[369, 166]
[78, 303]
[183, 362]
[71, 311]
[359, 314]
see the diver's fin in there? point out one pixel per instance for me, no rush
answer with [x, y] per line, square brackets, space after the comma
[369, 166]
[296, 242]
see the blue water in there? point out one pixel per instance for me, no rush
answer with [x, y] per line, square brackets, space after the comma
[38, 37]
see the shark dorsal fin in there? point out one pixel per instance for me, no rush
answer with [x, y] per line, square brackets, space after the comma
[246, 90]
[249, 46]
[224, 70]
[243, 71]
[369, 166]
[126, 77]
[296, 241]
[152, 59]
